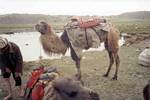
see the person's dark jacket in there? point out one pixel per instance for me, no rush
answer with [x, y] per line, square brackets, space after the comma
[146, 91]
[12, 59]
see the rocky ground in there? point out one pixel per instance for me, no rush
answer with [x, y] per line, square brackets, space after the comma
[132, 77]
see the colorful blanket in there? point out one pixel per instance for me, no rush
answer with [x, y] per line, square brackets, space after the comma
[85, 38]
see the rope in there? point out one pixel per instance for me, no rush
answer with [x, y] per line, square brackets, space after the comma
[86, 39]
[40, 57]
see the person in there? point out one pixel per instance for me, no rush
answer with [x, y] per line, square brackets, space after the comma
[146, 91]
[11, 61]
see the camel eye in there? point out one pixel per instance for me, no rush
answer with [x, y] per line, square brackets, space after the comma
[73, 94]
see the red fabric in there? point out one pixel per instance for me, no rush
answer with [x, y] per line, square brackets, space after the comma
[90, 23]
[34, 77]
[38, 92]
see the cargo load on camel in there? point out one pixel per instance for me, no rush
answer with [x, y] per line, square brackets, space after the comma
[47, 84]
[84, 34]
[78, 36]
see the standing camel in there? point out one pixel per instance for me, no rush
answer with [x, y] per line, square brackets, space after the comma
[51, 43]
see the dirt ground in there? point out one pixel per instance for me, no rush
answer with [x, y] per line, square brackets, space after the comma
[132, 77]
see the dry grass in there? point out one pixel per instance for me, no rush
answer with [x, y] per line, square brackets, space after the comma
[131, 80]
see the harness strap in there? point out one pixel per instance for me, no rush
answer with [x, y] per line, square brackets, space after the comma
[96, 32]
[86, 39]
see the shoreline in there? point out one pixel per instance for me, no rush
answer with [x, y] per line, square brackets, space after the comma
[131, 80]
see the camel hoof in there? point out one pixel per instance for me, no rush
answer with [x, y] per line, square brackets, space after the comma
[114, 78]
[78, 77]
[105, 75]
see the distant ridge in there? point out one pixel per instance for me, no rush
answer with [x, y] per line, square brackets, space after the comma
[35, 18]
[29, 18]
[136, 15]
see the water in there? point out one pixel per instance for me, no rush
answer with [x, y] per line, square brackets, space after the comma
[29, 44]
[31, 48]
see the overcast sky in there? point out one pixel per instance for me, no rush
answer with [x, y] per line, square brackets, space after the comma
[73, 7]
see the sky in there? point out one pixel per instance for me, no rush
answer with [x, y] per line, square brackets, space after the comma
[73, 7]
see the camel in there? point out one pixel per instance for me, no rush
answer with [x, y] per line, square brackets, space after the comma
[48, 84]
[73, 91]
[51, 43]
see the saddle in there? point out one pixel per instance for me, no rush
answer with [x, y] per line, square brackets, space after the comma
[46, 84]
[85, 34]
[91, 22]
[38, 80]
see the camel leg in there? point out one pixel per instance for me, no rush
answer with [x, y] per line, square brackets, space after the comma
[77, 61]
[111, 62]
[117, 60]
[78, 75]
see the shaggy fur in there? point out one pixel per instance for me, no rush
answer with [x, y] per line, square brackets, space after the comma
[73, 91]
[53, 44]
[112, 39]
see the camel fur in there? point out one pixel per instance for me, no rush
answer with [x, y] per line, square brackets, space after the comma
[57, 90]
[53, 44]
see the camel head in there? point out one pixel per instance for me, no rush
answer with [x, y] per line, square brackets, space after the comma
[43, 28]
[51, 43]
[71, 89]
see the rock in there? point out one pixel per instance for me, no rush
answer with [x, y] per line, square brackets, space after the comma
[125, 35]
[9, 33]
[26, 44]
[138, 50]
[144, 58]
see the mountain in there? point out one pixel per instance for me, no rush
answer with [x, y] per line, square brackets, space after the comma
[26, 22]
[136, 15]
[35, 18]
[29, 18]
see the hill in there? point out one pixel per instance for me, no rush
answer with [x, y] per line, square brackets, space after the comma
[35, 18]
[127, 22]
[136, 15]
[25, 22]
[29, 18]
[132, 22]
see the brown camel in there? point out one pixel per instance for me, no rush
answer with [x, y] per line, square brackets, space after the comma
[53, 44]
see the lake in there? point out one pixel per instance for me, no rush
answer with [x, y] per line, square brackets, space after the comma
[31, 48]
